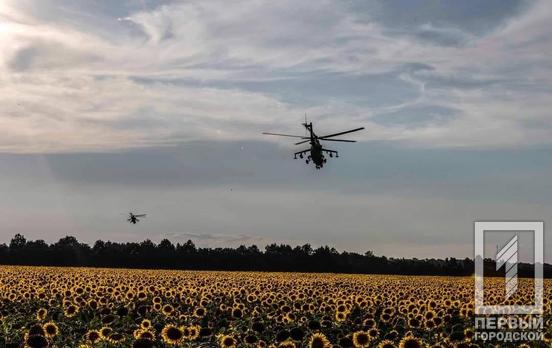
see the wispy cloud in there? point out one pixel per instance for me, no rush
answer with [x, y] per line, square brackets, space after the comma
[97, 77]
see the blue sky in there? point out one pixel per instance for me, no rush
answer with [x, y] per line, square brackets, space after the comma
[158, 106]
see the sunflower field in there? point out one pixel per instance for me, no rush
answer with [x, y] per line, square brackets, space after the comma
[84, 307]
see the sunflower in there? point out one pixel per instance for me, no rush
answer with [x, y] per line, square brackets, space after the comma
[385, 317]
[70, 311]
[115, 338]
[137, 333]
[172, 334]
[411, 342]
[430, 315]
[361, 339]
[41, 314]
[227, 341]
[468, 333]
[193, 332]
[387, 344]
[199, 312]
[373, 333]
[145, 324]
[168, 309]
[287, 344]
[50, 329]
[319, 340]
[429, 324]
[93, 304]
[146, 334]
[93, 336]
[340, 316]
[414, 322]
[369, 323]
[105, 332]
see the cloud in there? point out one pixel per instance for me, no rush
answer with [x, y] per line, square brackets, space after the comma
[470, 16]
[417, 116]
[108, 76]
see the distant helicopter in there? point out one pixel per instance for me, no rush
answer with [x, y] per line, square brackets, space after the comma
[133, 219]
[316, 150]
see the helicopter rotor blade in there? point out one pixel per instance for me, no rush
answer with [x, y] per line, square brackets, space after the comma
[341, 133]
[342, 140]
[285, 135]
[140, 215]
[302, 142]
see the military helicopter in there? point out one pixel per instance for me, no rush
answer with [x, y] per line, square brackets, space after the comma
[133, 219]
[316, 149]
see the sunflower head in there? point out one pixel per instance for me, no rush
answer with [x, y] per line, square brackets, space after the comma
[145, 324]
[50, 329]
[319, 340]
[287, 344]
[93, 336]
[387, 344]
[362, 339]
[227, 341]
[71, 310]
[41, 314]
[172, 334]
[410, 341]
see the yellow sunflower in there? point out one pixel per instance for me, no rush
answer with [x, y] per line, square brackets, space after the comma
[172, 334]
[50, 329]
[319, 340]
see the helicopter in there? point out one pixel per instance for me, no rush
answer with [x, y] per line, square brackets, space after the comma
[133, 219]
[316, 149]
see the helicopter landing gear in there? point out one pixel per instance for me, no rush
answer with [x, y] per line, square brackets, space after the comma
[301, 155]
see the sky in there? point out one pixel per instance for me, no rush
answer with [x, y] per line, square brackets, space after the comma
[157, 107]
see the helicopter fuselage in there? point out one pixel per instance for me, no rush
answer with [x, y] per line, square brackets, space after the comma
[316, 151]
[316, 154]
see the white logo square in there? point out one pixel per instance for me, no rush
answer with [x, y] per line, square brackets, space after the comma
[507, 257]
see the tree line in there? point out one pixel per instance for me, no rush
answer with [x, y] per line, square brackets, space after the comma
[68, 251]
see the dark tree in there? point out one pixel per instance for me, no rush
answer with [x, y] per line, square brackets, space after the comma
[68, 251]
